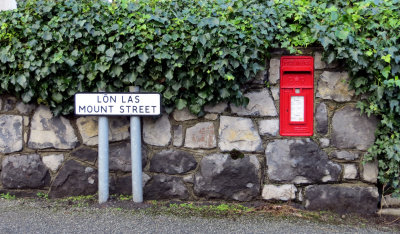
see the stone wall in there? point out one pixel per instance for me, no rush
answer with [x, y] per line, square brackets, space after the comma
[231, 153]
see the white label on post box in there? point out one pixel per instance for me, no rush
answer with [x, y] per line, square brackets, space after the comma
[297, 108]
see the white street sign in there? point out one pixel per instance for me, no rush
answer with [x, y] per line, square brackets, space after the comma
[130, 104]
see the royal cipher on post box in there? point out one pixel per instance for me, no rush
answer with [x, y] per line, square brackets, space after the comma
[296, 96]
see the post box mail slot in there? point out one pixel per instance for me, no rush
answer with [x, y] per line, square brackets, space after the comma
[296, 96]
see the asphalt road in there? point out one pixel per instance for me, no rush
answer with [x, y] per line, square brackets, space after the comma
[33, 217]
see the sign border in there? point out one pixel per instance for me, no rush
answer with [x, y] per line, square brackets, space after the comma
[117, 93]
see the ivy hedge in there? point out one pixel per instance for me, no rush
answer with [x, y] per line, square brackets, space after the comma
[197, 52]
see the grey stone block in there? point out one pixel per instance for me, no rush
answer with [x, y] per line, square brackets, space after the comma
[343, 198]
[88, 128]
[172, 162]
[370, 172]
[260, 104]
[48, 131]
[201, 135]
[352, 130]
[11, 133]
[274, 70]
[157, 132]
[183, 115]
[269, 127]
[299, 161]
[334, 86]
[74, 179]
[165, 187]
[24, 172]
[220, 176]
[345, 155]
[219, 108]
[283, 192]
[238, 133]
[178, 135]
[321, 118]
[120, 157]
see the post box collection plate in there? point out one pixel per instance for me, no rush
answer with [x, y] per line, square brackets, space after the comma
[296, 96]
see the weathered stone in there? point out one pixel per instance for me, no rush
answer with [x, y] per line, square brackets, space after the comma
[9, 103]
[318, 63]
[260, 77]
[238, 133]
[54, 161]
[324, 142]
[343, 198]
[391, 212]
[26, 121]
[334, 86]
[85, 154]
[219, 108]
[10, 133]
[23, 172]
[120, 157]
[390, 201]
[145, 178]
[370, 172]
[201, 135]
[260, 104]
[211, 116]
[123, 184]
[157, 132]
[350, 171]
[352, 130]
[48, 131]
[165, 187]
[172, 162]
[178, 135]
[345, 155]
[119, 128]
[275, 93]
[25, 109]
[220, 176]
[74, 179]
[183, 115]
[189, 179]
[269, 127]
[88, 128]
[299, 161]
[274, 69]
[321, 118]
[300, 195]
[279, 192]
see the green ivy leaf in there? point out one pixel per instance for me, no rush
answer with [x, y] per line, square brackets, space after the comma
[47, 36]
[342, 34]
[57, 97]
[224, 93]
[21, 80]
[110, 52]
[181, 103]
[144, 57]
[386, 71]
[102, 48]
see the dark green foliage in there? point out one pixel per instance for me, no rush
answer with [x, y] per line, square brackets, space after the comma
[236, 154]
[196, 52]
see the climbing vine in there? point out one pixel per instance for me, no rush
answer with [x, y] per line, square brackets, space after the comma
[198, 52]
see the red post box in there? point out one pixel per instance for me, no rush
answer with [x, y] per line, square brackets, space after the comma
[296, 96]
